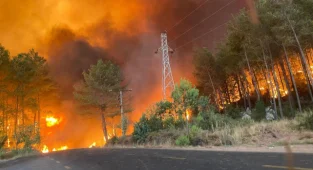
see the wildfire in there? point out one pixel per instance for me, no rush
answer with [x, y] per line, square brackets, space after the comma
[45, 149]
[92, 145]
[62, 148]
[188, 115]
[8, 142]
[52, 121]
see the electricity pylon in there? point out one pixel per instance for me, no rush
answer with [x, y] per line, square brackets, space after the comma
[167, 77]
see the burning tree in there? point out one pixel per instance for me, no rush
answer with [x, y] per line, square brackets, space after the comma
[99, 90]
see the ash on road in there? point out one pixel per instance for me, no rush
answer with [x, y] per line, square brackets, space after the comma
[156, 159]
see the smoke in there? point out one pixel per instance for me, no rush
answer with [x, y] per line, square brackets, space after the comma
[73, 34]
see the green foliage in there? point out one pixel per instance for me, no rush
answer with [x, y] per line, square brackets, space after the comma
[99, 90]
[259, 112]
[305, 120]
[204, 104]
[212, 121]
[169, 123]
[185, 96]
[155, 123]
[194, 131]
[180, 122]
[182, 140]
[100, 86]
[141, 130]
[233, 112]
[164, 108]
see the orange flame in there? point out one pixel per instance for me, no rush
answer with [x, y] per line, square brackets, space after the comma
[92, 145]
[62, 148]
[45, 149]
[187, 115]
[52, 121]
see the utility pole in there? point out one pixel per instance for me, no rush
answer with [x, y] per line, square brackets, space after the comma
[167, 77]
[123, 118]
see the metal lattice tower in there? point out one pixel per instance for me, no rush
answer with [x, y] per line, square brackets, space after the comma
[167, 77]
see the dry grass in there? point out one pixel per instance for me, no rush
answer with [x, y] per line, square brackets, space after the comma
[275, 133]
[265, 134]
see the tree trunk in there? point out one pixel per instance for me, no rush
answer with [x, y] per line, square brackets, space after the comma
[23, 113]
[221, 98]
[3, 114]
[268, 78]
[256, 80]
[35, 116]
[7, 119]
[246, 87]
[292, 78]
[243, 93]
[213, 87]
[302, 56]
[39, 112]
[278, 92]
[290, 97]
[276, 84]
[104, 127]
[187, 123]
[257, 90]
[238, 87]
[16, 116]
[227, 92]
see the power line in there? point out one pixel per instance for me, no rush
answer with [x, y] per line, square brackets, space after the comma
[201, 35]
[203, 21]
[180, 21]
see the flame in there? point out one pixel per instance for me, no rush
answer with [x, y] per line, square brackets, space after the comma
[187, 115]
[45, 149]
[92, 145]
[52, 121]
[8, 142]
[62, 148]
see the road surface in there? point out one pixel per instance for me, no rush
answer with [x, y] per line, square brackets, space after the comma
[155, 159]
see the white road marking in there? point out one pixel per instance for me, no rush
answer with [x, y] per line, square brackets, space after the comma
[67, 167]
[285, 167]
[174, 158]
[58, 162]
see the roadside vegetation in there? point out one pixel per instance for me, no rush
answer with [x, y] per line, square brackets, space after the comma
[198, 123]
[255, 88]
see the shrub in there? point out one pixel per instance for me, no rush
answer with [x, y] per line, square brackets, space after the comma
[233, 112]
[182, 140]
[211, 121]
[259, 112]
[169, 123]
[155, 123]
[194, 131]
[180, 123]
[141, 130]
[114, 140]
[305, 120]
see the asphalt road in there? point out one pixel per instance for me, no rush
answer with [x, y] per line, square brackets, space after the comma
[154, 159]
